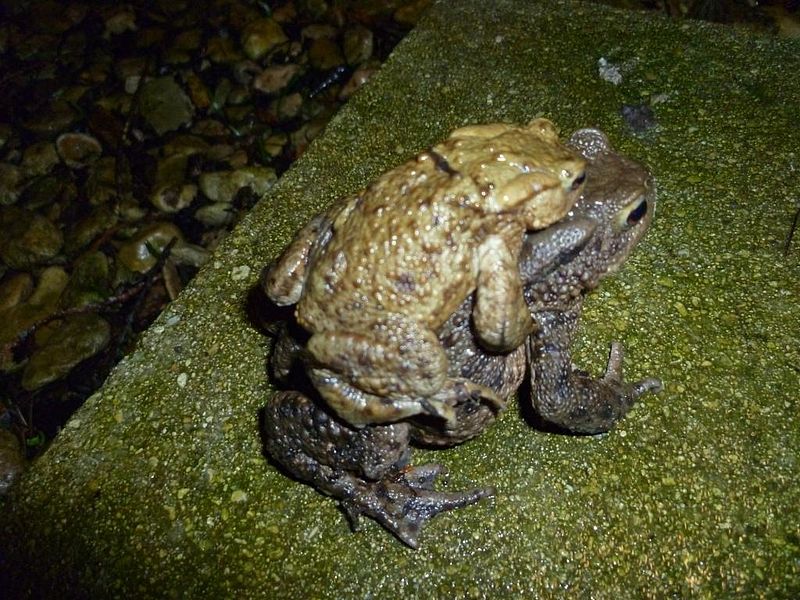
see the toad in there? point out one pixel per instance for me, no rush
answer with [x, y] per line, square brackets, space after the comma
[374, 277]
[367, 469]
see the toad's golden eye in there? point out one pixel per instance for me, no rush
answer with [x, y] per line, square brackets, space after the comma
[578, 181]
[632, 214]
[636, 215]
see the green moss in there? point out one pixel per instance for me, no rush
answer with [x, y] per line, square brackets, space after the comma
[158, 486]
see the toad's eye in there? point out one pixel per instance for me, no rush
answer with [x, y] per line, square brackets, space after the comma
[578, 181]
[637, 214]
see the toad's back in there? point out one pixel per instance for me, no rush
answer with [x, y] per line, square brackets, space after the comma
[405, 245]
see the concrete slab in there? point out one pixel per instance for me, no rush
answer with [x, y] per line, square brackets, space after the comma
[158, 486]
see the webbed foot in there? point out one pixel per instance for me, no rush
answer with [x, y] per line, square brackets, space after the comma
[406, 501]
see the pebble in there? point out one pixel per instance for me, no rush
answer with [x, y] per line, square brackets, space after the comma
[174, 121]
[273, 79]
[173, 198]
[222, 186]
[75, 339]
[325, 54]
[39, 158]
[262, 36]
[78, 150]
[136, 254]
[28, 238]
[10, 177]
[358, 44]
[14, 290]
[164, 105]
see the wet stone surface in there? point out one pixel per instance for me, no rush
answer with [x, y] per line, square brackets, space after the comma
[694, 494]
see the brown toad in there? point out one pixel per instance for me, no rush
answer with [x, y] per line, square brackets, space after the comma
[558, 267]
[375, 276]
[365, 468]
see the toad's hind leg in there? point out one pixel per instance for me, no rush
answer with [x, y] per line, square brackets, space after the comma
[362, 468]
[380, 370]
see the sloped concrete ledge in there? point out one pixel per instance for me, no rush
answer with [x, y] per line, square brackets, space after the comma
[158, 486]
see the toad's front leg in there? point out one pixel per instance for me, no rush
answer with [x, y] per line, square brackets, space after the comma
[571, 398]
[365, 469]
[501, 317]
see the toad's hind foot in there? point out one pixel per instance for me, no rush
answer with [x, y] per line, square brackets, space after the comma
[405, 503]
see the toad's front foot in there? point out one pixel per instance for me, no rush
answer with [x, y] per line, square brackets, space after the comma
[614, 379]
[405, 502]
[571, 398]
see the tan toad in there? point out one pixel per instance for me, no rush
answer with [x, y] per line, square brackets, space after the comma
[376, 275]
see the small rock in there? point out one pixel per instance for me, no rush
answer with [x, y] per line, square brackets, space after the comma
[286, 107]
[222, 186]
[49, 288]
[28, 238]
[244, 71]
[10, 178]
[220, 153]
[409, 12]
[14, 290]
[131, 211]
[274, 144]
[44, 300]
[216, 214]
[164, 105]
[198, 91]
[185, 145]
[240, 95]
[99, 220]
[301, 138]
[238, 159]
[274, 79]
[191, 39]
[131, 69]
[48, 192]
[39, 158]
[101, 185]
[171, 193]
[358, 45]
[53, 119]
[89, 281]
[262, 36]
[190, 255]
[221, 50]
[325, 54]
[136, 253]
[313, 9]
[118, 18]
[78, 150]
[316, 31]
[77, 338]
[285, 13]
[173, 198]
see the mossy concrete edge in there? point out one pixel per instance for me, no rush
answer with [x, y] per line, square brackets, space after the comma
[158, 486]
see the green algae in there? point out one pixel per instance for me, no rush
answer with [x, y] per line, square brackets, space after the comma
[158, 486]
